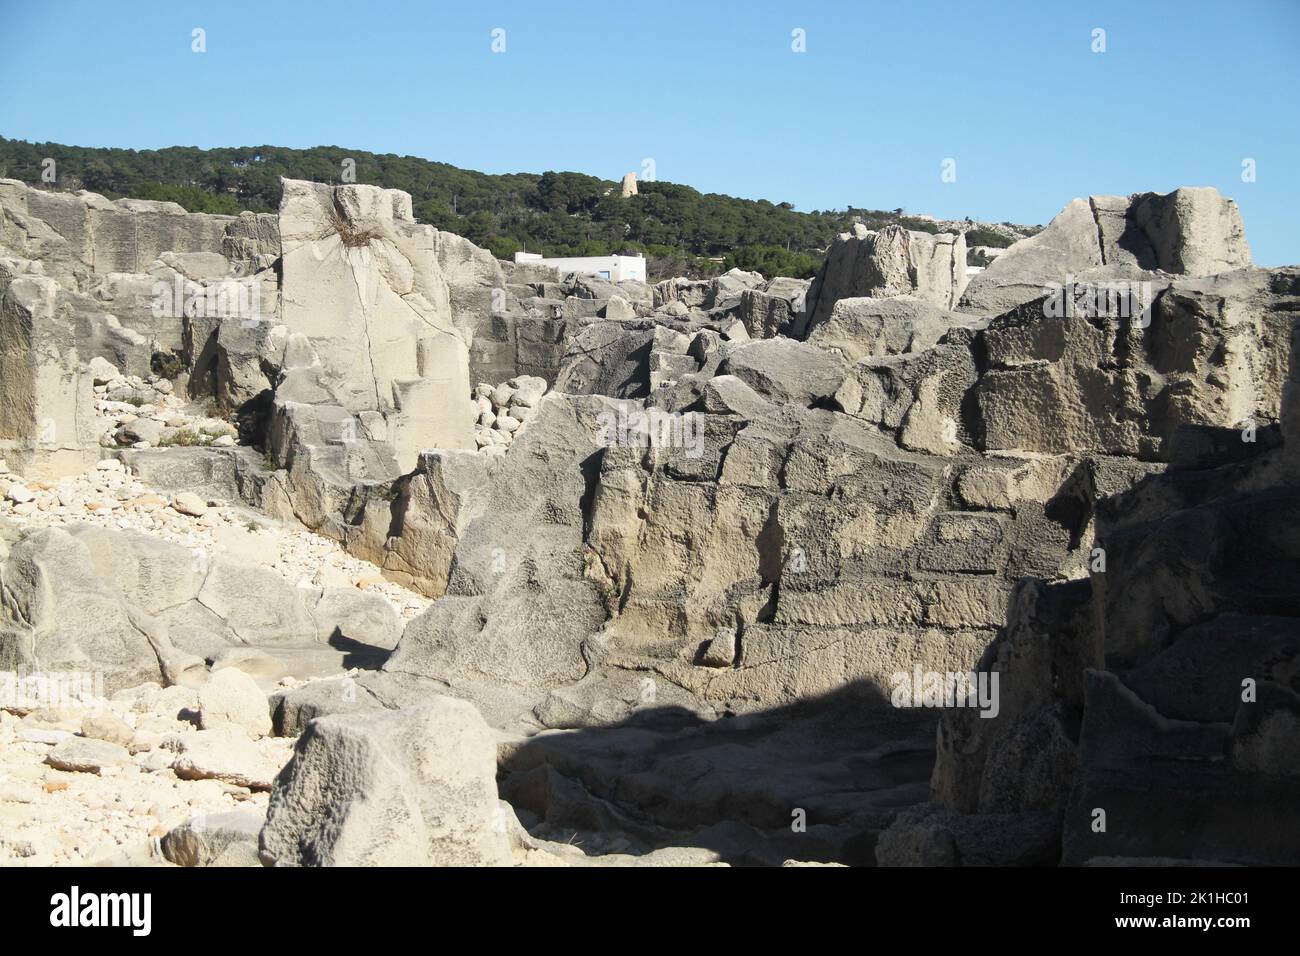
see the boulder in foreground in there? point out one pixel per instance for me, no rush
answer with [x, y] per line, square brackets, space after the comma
[410, 787]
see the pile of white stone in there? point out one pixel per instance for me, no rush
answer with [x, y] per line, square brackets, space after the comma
[504, 409]
[87, 779]
[146, 413]
[109, 496]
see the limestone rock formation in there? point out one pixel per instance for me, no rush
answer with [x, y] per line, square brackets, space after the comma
[357, 270]
[613, 514]
[866, 327]
[205, 840]
[1190, 231]
[135, 608]
[1143, 699]
[1211, 352]
[414, 787]
[887, 263]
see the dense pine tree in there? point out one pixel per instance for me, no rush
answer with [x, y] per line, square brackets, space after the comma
[679, 229]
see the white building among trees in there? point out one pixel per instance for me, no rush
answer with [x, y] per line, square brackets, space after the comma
[614, 268]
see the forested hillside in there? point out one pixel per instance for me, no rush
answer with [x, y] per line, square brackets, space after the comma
[681, 230]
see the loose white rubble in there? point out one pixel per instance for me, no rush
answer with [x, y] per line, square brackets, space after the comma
[504, 409]
[110, 497]
[122, 798]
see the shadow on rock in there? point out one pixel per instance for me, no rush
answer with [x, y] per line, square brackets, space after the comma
[816, 781]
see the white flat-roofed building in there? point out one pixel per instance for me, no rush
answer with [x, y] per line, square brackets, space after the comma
[614, 268]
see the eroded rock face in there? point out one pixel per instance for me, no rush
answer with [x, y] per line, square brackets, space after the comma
[82, 235]
[785, 371]
[887, 263]
[869, 327]
[825, 512]
[1191, 231]
[608, 358]
[1146, 707]
[775, 309]
[922, 398]
[136, 284]
[518, 606]
[359, 275]
[827, 553]
[403, 788]
[662, 505]
[1210, 353]
[707, 293]
[134, 608]
[46, 417]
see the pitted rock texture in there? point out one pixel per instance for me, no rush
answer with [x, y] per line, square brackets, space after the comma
[665, 520]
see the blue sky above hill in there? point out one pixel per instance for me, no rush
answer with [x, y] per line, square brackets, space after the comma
[714, 93]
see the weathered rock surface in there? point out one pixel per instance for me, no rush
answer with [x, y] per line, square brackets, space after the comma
[868, 327]
[1147, 707]
[204, 840]
[1213, 354]
[509, 531]
[741, 498]
[414, 787]
[223, 752]
[358, 270]
[232, 697]
[785, 371]
[132, 607]
[1191, 231]
[888, 263]
[86, 755]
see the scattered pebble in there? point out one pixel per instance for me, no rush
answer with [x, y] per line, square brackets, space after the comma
[108, 496]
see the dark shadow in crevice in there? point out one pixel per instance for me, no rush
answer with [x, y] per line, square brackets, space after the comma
[815, 780]
[357, 654]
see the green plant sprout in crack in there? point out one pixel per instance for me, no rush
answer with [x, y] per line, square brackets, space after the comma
[184, 438]
[351, 237]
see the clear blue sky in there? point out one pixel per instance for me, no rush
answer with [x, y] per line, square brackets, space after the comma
[710, 90]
